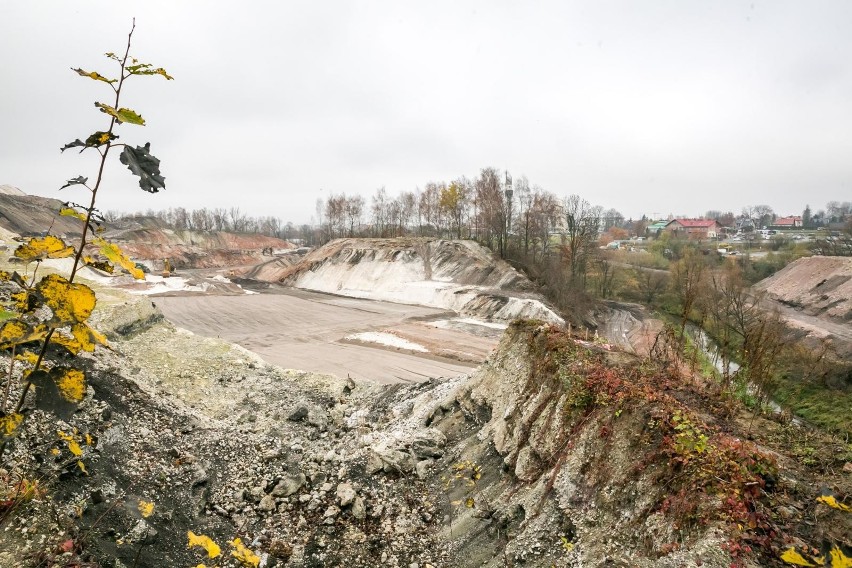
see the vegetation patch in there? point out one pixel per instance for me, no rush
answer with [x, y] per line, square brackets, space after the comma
[708, 475]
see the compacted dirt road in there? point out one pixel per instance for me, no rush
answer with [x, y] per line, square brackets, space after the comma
[305, 330]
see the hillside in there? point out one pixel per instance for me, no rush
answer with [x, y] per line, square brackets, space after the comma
[553, 453]
[457, 275]
[196, 249]
[814, 297]
[32, 215]
[819, 286]
[145, 239]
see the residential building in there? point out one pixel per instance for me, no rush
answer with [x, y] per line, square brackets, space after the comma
[793, 222]
[694, 228]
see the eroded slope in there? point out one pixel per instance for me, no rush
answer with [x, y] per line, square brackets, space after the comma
[457, 275]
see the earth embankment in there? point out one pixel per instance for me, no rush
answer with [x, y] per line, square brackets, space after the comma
[455, 275]
[814, 296]
[197, 249]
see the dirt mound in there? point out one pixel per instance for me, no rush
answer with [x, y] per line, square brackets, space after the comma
[6, 189]
[271, 270]
[142, 238]
[196, 249]
[29, 215]
[457, 275]
[817, 286]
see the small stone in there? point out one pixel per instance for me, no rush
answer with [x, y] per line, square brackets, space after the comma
[374, 463]
[847, 467]
[359, 508]
[289, 485]
[345, 494]
[421, 468]
[331, 512]
[280, 549]
[267, 504]
[142, 533]
[298, 413]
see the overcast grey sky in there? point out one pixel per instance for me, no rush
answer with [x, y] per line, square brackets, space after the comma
[649, 107]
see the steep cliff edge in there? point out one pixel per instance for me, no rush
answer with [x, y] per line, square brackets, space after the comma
[565, 454]
[458, 275]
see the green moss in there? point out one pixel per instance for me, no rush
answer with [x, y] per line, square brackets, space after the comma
[4, 315]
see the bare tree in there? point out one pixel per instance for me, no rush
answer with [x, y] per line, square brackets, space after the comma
[492, 209]
[650, 283]
[687, 282]
[354, 211]
[379, 209]
[581, 232]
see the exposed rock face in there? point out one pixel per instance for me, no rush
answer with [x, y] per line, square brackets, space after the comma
[553, 453]
[457, 275]
[142, 238]
[197, 249]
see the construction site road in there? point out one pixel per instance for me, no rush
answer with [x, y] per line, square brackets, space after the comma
[308, 331]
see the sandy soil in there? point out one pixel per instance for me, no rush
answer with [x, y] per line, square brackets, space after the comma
[307, 330]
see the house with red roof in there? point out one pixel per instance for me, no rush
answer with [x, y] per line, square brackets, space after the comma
[694, 228]
[793, 222]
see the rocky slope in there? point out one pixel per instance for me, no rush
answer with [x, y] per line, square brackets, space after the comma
[457, 275]
[29, 215]
[196, 249]
[143, 238]
[814, 297]
[817, 286]
[554, 453]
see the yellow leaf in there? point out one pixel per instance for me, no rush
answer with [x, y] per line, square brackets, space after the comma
[832, 502]
[9, 424]
[71, 383]
[27, 357]
[21, 301]
[243, 554]
[87, 337]
[82, 467]
[71, 212]
[838, 559]
[69, 343]
[54, 451]
[145, 508]
[115, 254]
[790, 556]
[71, 303]
[39, 248]
[469, 502]
[73, 446]
[16, 332]
[93, 75]
[89, 440]
[204, 542]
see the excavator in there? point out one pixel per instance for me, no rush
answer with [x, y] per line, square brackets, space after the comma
[167, 268]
